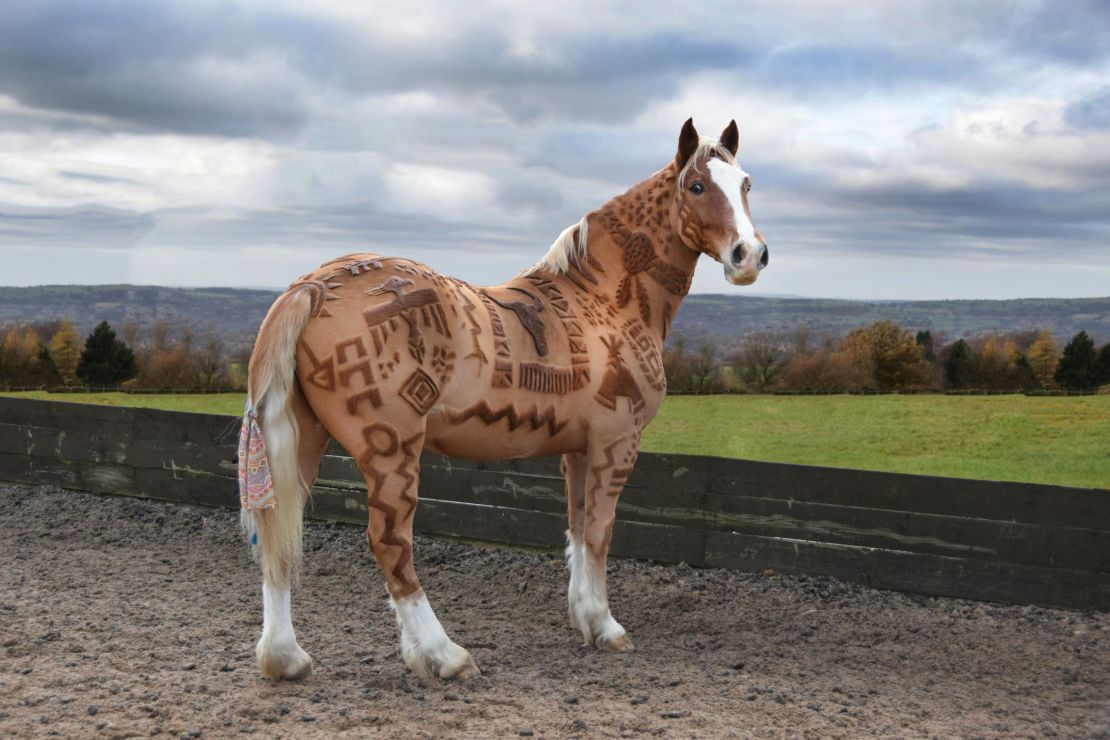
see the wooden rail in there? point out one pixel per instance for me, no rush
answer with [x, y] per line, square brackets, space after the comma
[1009, 542]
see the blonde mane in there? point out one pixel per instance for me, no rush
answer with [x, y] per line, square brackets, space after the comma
[570, 246]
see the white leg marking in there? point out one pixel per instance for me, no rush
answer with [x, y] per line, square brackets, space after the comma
[588, 602]
[279, 655]
[426, 648]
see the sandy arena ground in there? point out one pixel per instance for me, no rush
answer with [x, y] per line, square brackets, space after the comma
[125, 618]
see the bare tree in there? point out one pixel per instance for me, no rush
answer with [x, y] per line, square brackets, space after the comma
[705, 373]
[209, 364]
[759, 362]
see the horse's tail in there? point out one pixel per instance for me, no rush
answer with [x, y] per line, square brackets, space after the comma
[275, 533]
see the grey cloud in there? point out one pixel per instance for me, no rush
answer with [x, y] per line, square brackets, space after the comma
[984, 217]
[93, 177]
[210, 68]
[865, 65]
[350, 227]
[79, 226]
[525, 194]
[1075, 32]
[1091, 112]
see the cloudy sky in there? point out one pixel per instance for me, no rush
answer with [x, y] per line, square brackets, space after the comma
[898, 150]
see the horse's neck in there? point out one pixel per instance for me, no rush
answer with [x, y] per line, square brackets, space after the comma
[641, 263]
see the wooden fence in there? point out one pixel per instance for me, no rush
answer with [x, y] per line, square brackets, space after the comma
[1007, 542]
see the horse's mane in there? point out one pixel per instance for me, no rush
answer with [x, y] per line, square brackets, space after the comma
[570, 246]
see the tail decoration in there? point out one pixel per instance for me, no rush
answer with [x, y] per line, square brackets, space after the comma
[256, 485]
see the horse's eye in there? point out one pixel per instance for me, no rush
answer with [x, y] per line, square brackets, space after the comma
[697, 188]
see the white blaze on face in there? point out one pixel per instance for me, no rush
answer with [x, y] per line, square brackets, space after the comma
[730, 179]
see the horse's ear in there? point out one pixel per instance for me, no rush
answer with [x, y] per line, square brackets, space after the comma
[730, 137]
[687, 143]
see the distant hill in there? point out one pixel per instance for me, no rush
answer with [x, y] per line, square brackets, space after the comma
[234, 313]
[721, 319]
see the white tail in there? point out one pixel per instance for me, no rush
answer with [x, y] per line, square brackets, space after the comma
[275, 533]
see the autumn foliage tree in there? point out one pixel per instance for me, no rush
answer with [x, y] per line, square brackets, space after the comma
[24, 360]
[169, 363]
[827, 369]
[65, 350]
[895, 357]
[1043, 356]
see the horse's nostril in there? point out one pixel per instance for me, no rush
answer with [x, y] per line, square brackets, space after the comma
[766, 256]
[737, 255]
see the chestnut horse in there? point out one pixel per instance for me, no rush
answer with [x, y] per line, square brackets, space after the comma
[390, 357]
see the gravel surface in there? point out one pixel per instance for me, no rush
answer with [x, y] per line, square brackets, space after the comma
[123, 617]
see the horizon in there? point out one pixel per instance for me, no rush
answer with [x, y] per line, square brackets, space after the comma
[195, 143]
[706, 294]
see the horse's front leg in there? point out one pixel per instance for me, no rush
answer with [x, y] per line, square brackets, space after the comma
[596, 479]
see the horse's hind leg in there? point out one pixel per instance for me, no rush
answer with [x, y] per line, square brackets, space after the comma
[595, 480]
[278, 653]
[575, 470]
[390, 461]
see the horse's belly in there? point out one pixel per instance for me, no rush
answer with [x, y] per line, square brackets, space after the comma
[487, 431]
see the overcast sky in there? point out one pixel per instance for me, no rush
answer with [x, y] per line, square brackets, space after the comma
[898, 150]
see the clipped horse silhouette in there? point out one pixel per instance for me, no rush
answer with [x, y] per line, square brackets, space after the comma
[389, 358]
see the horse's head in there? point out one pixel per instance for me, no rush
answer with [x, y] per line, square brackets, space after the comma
[711, 206]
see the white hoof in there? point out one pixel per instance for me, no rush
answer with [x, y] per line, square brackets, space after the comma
[425, 646]
[449, 660]
[598, 628]
[282, 661]
[279, 656]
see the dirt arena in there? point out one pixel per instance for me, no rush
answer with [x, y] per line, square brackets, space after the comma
[126, 618]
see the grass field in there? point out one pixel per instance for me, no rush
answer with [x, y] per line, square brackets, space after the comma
[1062, 441]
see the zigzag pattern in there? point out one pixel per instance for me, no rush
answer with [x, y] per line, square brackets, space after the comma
[393, 516]
[535, 418]
[469, 307]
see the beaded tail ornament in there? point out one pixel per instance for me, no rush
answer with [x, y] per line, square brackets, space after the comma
[256, 486]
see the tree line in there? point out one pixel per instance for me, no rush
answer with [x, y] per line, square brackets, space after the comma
[52, 354]
[882, 356]
[885, 356]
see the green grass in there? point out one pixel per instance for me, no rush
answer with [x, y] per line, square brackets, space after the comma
[201, 403]
[1061, 441]
[1055, 440]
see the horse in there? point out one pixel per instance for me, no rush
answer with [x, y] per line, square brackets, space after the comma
[389, 358]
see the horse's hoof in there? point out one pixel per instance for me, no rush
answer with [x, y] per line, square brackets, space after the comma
[464, 672]
[461, 666]
[449, 661]
[621, 643]
[289, 664]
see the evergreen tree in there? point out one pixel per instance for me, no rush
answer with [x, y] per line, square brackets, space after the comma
[957, 364]
[925, 341]
[1102, 365]
[1076, 370]
[1023, 374]
[106, 360]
